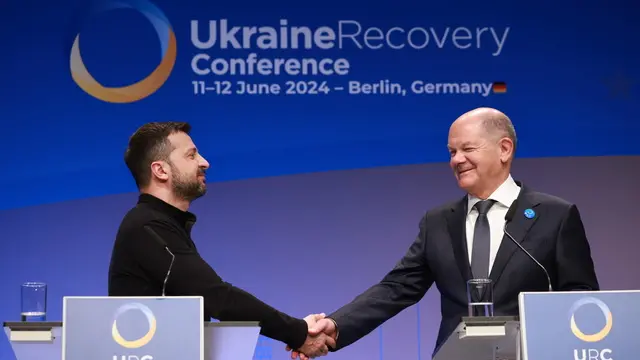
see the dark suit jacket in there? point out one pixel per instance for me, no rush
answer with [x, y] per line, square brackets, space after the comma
[555, 237]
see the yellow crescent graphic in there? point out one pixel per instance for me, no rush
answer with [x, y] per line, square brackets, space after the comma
[600, 334]
[141, 89]
[134, 344]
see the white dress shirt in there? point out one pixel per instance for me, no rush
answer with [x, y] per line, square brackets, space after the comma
[504, 197]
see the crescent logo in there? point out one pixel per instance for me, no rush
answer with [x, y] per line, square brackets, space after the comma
[605, 311]
[134, 344]
[146, 86]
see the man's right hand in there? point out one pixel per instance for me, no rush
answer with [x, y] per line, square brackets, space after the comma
[323, 327]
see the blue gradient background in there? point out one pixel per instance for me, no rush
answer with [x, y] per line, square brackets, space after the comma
[334, 174]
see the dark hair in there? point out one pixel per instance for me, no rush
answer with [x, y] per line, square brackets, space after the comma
[148, 144]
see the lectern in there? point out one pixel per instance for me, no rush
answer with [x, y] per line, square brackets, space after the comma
[590, 325]
[596, 325]
[483, 338]
[133, 328]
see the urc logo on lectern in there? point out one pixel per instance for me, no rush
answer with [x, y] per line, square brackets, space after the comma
[592, 353]
[138, 343]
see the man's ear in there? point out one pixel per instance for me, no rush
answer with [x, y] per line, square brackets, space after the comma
[160, 170]
[506, 149]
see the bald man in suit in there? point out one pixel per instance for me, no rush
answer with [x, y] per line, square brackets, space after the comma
[464, 239]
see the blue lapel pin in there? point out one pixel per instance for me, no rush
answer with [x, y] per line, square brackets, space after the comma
[529, 213]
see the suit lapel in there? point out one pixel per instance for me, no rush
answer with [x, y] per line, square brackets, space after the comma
[518, 228]
[456, 221]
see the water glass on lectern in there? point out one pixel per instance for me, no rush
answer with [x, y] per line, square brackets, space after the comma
[480, 297]
[33, 302]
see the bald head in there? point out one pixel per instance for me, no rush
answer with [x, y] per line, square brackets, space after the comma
[482, 145]
[496, 123]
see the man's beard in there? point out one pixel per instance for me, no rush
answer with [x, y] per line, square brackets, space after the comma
[187, 189]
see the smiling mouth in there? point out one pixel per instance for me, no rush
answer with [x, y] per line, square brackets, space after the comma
[464, 171]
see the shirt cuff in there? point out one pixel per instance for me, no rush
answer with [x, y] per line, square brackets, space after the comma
[337, 330]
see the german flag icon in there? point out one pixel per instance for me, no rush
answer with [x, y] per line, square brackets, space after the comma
[499, 87]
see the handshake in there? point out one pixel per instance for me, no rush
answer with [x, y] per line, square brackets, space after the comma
[322, 335]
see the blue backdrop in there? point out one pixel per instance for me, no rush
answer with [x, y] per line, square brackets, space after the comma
[567, 76]
[559, 62]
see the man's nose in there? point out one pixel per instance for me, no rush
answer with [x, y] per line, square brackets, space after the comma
[457, 158]
[204, 163]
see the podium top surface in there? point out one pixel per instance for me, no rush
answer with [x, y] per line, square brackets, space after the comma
[231, 323]
[489, 321]
[32, 325]
[48, 325]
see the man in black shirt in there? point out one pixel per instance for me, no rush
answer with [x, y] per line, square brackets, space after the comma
[170, 174]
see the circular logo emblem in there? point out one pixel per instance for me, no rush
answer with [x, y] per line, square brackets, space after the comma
[605, 311]
[144, 87]
[134, 344]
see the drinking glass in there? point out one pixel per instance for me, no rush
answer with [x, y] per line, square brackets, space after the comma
[480, 297]
[33, 301]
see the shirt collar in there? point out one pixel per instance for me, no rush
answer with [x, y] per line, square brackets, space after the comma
[504, 195]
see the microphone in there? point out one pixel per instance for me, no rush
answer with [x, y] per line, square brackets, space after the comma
[166, 247]
[507, 218]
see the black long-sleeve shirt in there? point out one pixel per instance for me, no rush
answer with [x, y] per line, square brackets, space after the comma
[139, 265]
